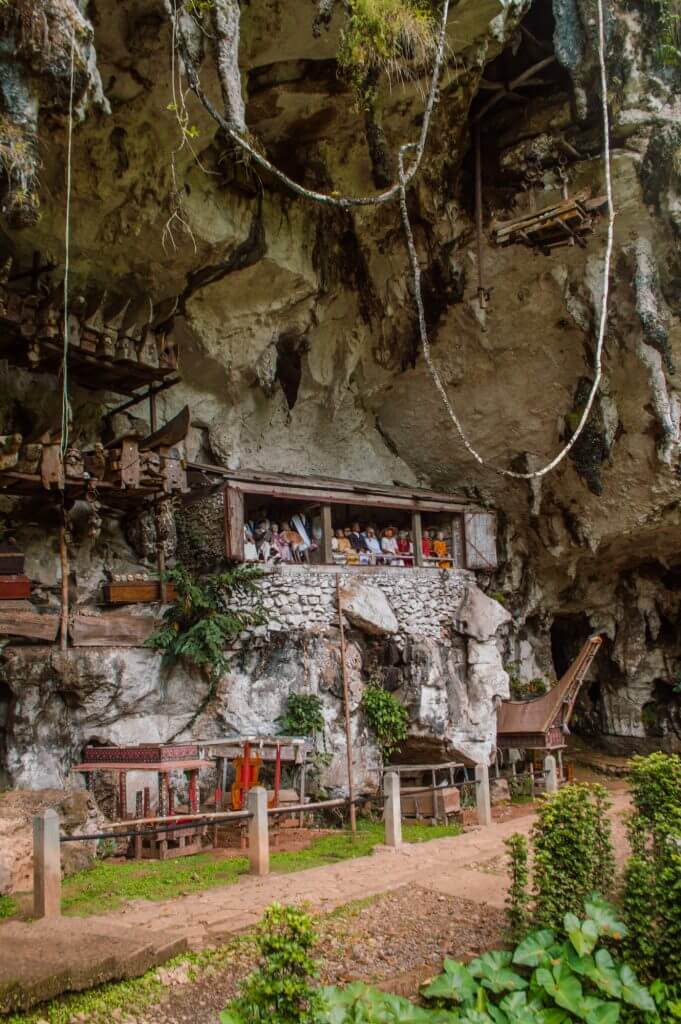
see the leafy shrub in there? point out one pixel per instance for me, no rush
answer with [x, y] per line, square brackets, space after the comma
[572, 847]
[303, 716]
[543, 981]
[204, 618]
[652, 879]
[281, 989]
[387, 718]
[521, 788]
[517, 899]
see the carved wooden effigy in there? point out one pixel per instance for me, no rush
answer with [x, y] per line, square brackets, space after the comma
[32, 333]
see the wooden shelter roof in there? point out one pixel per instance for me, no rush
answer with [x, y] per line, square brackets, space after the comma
[340, 491]
[521, 717]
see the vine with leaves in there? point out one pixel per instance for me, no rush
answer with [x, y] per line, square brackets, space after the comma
[387, 717]
[207, 615]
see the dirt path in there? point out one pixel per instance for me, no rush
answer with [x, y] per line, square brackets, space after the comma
[470, 866]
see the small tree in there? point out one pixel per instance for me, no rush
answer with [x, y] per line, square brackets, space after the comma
[281, 990]
[652, 877]
[573, 852]
[517, 898]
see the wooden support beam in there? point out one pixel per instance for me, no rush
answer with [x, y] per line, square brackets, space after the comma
[64, 562]
[529, 73]
[346, 707]
[417, 535]
[327, 535]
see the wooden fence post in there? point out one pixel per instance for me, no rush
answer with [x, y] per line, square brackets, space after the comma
[393, 809]
[482, 797]
[46, 865]
[258, 832]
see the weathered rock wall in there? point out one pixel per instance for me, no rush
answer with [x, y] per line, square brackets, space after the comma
[296, 328]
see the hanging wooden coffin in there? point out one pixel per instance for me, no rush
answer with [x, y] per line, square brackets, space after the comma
[11, 560]
[13, 587]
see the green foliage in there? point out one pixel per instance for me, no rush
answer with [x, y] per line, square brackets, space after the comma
[573, 852]
[545, 980]
[387, 717]
[521, 788]
[303, 716]
[281, 989]
[391, 36]
[205, 617]
[652, 882]
[525, 689]
[8, 907]
[517, 898]
[668, 17]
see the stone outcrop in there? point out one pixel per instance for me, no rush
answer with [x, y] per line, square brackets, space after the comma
[480, 616]
[78, 814]
[368, 608]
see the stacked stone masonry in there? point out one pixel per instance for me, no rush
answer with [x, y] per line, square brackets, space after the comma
[304, 598]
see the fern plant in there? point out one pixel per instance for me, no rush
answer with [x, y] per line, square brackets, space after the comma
[207, 615]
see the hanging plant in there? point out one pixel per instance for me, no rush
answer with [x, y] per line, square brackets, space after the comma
[207, 616]
[387, 717]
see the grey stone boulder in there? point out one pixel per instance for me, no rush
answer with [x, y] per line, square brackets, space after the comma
[499, 791]
[368, 609]
[479, 616]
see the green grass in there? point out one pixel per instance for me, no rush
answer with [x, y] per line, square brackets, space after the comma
[105, 886]
[8, 907]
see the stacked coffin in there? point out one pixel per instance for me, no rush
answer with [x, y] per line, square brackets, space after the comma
[14, 585]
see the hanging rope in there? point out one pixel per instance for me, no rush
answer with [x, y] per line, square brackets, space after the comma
[342, 202]
[65, 406]
[423, 330]
[398, 191]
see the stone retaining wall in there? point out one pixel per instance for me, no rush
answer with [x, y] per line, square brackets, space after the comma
[304, 597]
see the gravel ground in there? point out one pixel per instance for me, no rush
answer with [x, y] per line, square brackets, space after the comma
[396, 940]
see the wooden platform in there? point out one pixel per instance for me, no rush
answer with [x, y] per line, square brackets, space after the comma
[562, 223]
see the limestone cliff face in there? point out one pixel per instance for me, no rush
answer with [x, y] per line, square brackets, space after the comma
[298, 347]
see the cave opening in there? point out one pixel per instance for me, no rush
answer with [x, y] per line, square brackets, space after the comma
[568, 635]
[289, 367]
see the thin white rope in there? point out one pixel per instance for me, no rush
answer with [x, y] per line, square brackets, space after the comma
[398, 191]
[65, 405]
[423, 330]
[343, 202]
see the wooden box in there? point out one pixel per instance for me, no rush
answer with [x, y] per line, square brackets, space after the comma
[11, 563]
[136, 592]
[13, 587]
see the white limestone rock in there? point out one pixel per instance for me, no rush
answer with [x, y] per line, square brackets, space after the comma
[368, 609]
[480, 616]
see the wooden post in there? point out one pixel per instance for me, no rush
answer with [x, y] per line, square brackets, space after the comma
[393, 809]
[152, 408]
[64, 560]
[327, 535]
[160, 554]
[303, 770]
[46, 865]
[346, 702]
[482, 294]
[482, 797]
[417, 535]
[258, 833]
[123, 795]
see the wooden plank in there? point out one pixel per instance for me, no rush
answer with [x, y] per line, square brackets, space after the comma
[136, 592]
[29, 625]
[480, 531]
[234, 523]
[327, 535]
[360, 500]
[113, 629]
[309, 484]
[417, 537]
[170, 433]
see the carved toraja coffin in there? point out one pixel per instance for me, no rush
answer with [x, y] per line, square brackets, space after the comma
[151, 753]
